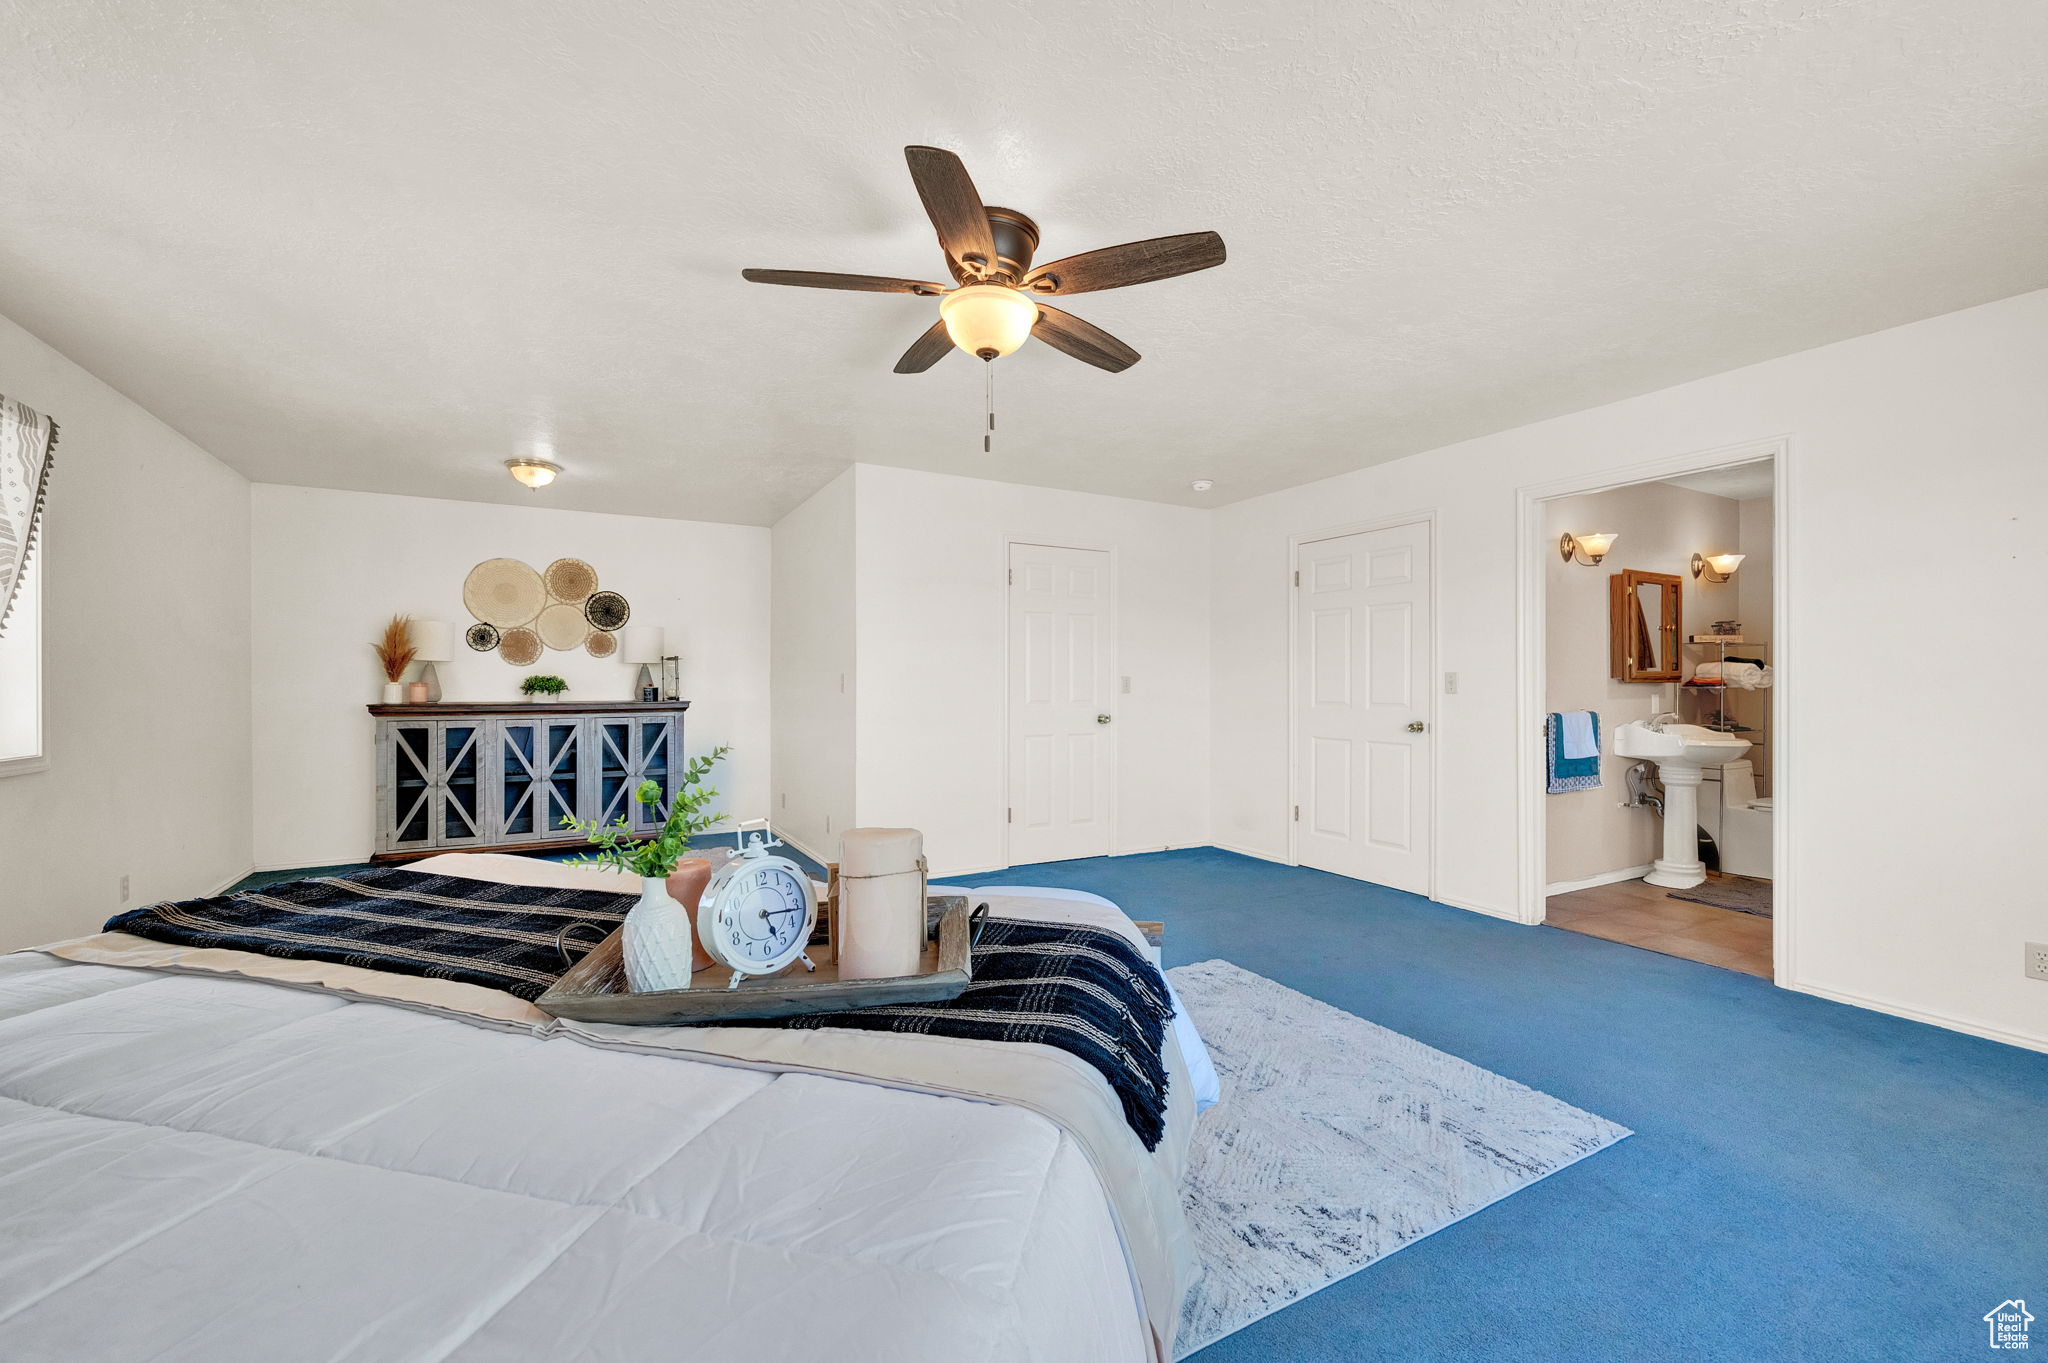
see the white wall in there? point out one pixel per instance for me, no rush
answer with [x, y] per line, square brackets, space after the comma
[144, 560]
[814, 684]
[331, 567]
[931, 732]
[1661, 528]
[1919, 453]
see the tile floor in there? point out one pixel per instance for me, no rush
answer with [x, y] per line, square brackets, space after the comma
[1641, 915]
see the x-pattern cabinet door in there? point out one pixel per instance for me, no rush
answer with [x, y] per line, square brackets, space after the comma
[539, 771]
[434, 785]
[625, 751]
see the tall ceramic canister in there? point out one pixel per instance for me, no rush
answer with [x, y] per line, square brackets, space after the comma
[880, 931]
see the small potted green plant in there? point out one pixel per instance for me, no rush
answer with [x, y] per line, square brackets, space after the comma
[543, 687]
[656, 939]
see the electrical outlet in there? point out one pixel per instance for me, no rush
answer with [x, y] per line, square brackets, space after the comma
[2037, 960]
[1127, 686]
[785, 800]
[1450, 683]
[124, 889]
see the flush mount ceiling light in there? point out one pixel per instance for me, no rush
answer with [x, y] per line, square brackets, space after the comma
[1716, 567]
[1586, 549]
[1202, 484]
[534, 473]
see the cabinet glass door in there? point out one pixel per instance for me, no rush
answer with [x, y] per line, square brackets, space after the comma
[563, 747]
[412, 786]
[520, 817]
[653, 761]
[614, 767]
[461, 818]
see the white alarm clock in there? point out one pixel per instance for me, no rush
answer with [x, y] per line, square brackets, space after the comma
[757, 913]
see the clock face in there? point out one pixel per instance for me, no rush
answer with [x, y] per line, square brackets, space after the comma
[760, 918]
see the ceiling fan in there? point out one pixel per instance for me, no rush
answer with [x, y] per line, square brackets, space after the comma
[997, 301]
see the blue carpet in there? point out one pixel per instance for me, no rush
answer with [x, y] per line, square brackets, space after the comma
[1808, 1181]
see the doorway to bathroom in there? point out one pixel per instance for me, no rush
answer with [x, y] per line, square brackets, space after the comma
[1658, 651]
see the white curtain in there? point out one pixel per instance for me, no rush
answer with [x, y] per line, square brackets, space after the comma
[27, 438]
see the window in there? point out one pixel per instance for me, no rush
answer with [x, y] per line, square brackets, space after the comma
[21, 677]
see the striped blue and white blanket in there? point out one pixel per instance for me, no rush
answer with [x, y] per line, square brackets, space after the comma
[1084, 990]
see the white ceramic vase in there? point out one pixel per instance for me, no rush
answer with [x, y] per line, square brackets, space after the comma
[394, 693]
[655, 941]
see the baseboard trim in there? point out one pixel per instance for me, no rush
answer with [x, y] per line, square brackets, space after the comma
[802, 847]
[1489, 910]
[302, 864]
[1156, 847]
[1248, 852]
[237, 878]
[1604, 878]
[1986, 1031]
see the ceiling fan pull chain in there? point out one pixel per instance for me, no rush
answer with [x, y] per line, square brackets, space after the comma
[988, 436]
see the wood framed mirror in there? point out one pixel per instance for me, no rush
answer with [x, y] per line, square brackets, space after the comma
[1644, 620]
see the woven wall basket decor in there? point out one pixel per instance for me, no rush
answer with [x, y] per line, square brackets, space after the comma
[520, 647]
[504, 592]
[561, 626]
[601, 644]
[607, 610]
[481, 637]
[571, 580]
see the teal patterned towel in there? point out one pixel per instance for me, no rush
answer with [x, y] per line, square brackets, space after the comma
[1569, 773]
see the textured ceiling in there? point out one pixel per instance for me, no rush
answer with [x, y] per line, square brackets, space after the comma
[375, 245]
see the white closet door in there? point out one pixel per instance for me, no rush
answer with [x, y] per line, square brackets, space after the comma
[1361, 706]
[1059, 703]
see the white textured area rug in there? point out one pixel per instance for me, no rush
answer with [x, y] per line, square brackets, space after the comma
[1337, 1142]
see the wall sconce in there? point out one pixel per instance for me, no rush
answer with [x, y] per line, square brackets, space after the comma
[1715, 567]
[1585, 549]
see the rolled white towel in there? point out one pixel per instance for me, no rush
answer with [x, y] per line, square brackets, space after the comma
[1741, 676]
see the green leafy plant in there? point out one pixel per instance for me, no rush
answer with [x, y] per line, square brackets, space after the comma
[543, 685]
[616, 844]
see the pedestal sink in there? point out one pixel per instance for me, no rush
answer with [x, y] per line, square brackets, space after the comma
[1680, 752]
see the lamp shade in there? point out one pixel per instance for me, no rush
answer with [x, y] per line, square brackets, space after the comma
[1597, 545]
[641, 644]
[433, 641]
[1725, 564]
[987, 319]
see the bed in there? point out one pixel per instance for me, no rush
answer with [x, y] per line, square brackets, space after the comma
[207, 1160]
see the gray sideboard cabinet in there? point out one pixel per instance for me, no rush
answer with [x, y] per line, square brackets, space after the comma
[474, 777]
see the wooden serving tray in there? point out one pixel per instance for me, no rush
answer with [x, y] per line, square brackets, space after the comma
[594, 989]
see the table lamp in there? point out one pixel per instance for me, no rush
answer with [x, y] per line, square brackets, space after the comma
[643, 644]
[433, 642]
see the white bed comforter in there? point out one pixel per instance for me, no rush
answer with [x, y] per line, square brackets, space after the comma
[219, 1169]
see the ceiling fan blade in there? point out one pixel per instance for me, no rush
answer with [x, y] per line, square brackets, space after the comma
[862, 283]
[926, 351]
[953, 205]
[1134, 262]
[1085, 341]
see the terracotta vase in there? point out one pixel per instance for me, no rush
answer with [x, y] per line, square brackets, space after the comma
[686, 887]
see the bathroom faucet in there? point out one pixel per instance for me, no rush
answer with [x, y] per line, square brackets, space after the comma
[1656, 723]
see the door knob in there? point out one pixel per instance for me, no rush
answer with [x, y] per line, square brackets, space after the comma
[1416, 726]
[1102, 719]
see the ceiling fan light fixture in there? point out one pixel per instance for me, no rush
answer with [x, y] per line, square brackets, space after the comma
[534, 473]
[987, 319]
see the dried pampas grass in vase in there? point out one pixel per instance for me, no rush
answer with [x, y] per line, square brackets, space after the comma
[395, 651]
